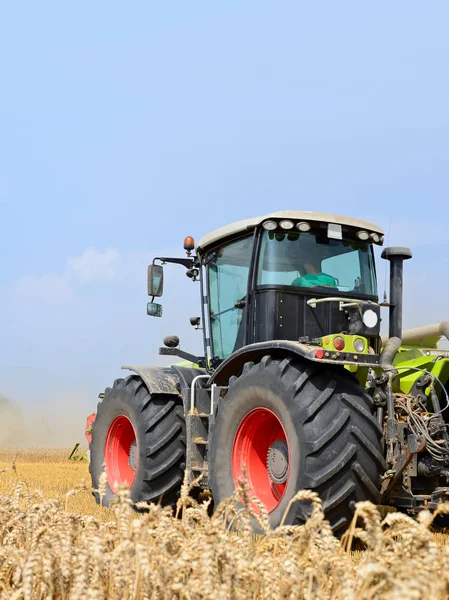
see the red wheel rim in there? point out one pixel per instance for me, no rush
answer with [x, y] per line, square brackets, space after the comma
[119, 440]
[257, 433]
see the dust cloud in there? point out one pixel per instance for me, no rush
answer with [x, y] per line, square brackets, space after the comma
[12, 426]
[55, 424]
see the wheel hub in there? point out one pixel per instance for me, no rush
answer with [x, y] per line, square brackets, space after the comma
[132, 458]
[277, 461]
[260, 456]
[120, 458]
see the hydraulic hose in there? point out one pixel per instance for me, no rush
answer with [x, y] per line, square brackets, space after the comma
[389, 352]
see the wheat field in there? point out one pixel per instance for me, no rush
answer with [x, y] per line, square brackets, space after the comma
[56, 543]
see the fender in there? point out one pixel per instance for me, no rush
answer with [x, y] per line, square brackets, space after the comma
[233, 364]
[159, 380]
[174, 380]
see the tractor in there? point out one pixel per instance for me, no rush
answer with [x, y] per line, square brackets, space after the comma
[296, 388]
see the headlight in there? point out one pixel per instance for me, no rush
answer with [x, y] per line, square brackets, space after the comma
[303, 226]
[270, 225]
[287, 224]
[370, 318]
[359, 345]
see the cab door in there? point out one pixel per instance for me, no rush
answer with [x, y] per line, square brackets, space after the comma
[227, 276]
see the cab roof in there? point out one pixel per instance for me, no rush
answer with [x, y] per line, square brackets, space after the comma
[234, 229]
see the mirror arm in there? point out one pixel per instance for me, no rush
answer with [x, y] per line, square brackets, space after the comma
[198, 360]
[185, 262]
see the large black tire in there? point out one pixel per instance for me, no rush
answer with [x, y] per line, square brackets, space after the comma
[334, 441]
[159, 426]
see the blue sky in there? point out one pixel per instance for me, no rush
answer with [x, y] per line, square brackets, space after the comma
[126, 126]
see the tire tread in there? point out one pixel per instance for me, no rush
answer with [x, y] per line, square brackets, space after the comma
[342, 453]
[162, 422]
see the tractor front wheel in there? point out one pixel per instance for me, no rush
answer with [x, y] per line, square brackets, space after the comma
[287, 425]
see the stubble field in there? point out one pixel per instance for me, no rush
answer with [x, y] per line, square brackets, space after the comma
[55, 542]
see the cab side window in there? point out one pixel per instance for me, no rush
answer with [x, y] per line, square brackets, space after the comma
[228, 283]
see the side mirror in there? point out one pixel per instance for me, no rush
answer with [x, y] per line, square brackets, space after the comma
[155, 280]
[154, 310]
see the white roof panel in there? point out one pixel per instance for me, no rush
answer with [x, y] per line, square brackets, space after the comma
[296, 215]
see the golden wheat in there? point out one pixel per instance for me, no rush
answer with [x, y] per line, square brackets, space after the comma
[48, 551]
[49, 471]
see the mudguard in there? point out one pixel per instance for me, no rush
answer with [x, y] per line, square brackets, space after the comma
[173, 380]
[159, 380]
[233, 365]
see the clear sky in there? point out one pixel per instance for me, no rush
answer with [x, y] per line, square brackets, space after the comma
[125, 127]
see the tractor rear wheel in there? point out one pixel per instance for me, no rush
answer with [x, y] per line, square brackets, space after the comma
[139, 438]
[288, 425]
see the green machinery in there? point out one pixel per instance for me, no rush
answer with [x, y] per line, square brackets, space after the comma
[295, 388]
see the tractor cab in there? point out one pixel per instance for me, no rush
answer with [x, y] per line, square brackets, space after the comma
[292, 275]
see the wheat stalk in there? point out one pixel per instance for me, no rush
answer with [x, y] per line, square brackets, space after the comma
[47, 552]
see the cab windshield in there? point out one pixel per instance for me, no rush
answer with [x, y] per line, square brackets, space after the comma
[316, 262]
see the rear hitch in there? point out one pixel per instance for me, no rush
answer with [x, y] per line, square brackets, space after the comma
[392, 476]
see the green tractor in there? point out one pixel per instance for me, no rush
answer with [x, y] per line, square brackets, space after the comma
[296, 389]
